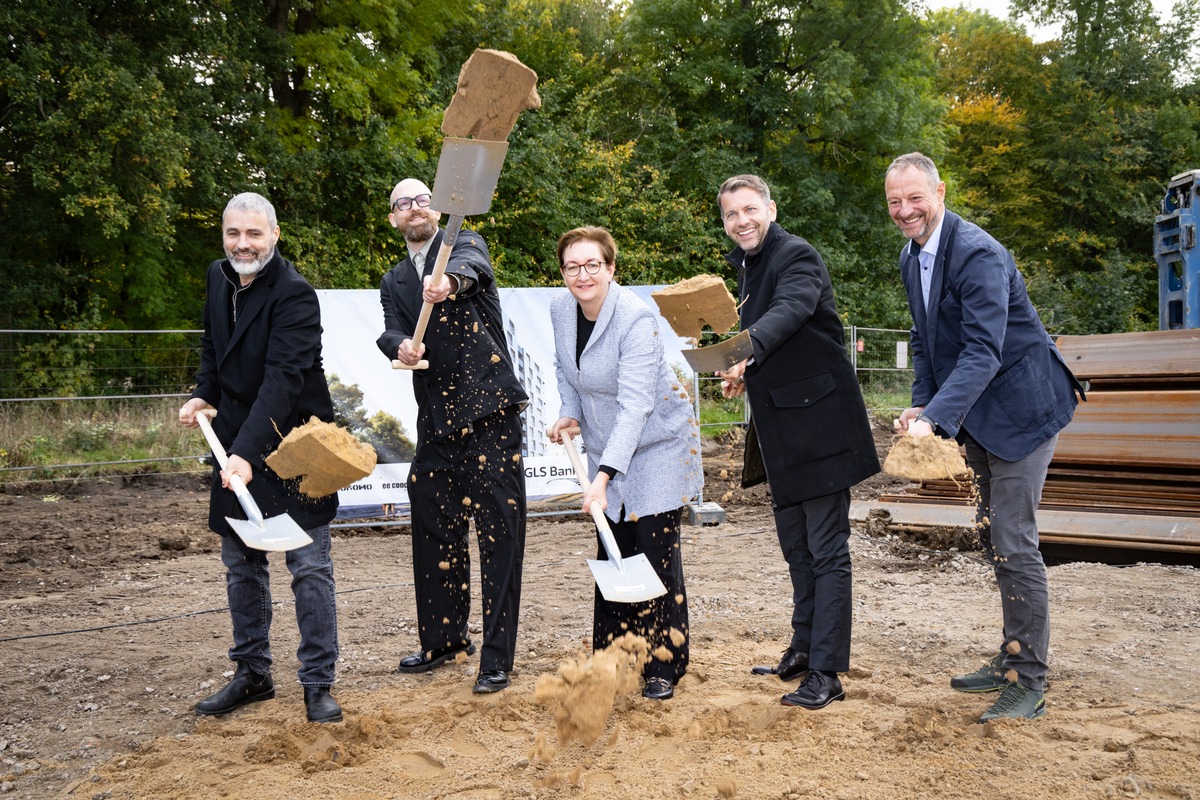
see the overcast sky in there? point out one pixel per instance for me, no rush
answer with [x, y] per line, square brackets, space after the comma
[999, 8]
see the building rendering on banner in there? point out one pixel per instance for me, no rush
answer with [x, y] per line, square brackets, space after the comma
[535, 418]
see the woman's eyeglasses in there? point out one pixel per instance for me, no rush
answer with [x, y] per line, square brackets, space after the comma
[592, 267]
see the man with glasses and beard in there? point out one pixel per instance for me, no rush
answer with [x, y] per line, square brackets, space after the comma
[468, 462]
[260, 367]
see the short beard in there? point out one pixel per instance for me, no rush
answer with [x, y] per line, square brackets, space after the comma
[420, 230]
[252, 268]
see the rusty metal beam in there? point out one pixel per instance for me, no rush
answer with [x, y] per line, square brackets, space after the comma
[1151, 354]
[1134, 429]
[1107, 529]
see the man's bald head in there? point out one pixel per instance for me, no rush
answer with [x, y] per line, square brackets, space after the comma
[409, 187]
[411, 214]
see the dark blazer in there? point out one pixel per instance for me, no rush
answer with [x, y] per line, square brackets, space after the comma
[264, 375]
[470, 371]
[982, 361]
[808, 413]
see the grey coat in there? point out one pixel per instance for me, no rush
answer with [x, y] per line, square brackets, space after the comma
[634, 412]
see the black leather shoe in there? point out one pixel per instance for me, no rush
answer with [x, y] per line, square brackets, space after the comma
[817, 691]
[427, 660]
[246, 686]
[320, 705]
[792, 665]
[658, 689]
[490, 680]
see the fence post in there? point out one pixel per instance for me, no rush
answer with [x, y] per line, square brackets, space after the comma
[854, 349]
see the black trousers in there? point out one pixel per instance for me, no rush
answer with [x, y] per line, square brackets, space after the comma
[663, 621]
[477, 475]
[815, 539]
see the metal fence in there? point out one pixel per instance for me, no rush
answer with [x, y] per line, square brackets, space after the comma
[80, 385]
[88, 365]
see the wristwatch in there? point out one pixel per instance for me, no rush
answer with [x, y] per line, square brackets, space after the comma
[922, 418]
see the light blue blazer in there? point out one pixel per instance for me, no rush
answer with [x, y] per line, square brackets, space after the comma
[633, 410]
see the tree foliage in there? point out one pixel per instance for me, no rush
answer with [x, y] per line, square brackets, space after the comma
[126, 127]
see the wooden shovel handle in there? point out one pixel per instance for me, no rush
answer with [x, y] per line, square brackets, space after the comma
[449, 237]
[602, 526]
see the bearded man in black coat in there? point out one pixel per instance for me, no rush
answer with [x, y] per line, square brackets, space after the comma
[261, 368]
[468, 465]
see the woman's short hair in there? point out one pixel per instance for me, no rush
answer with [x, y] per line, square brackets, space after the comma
[589, 233]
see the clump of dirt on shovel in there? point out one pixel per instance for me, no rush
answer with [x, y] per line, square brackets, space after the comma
[925, 459]
[585, 689]
[326, 457]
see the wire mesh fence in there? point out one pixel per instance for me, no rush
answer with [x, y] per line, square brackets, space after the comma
[77, 404]
[85, 365]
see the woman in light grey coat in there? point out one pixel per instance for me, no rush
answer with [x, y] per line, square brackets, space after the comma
[643, 445]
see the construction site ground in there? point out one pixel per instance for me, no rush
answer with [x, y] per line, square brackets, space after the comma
[113, 625]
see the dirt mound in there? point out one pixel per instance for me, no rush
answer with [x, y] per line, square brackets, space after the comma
[926, 459]
[108, 639]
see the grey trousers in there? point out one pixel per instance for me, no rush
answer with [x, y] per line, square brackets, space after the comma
[1009, 493]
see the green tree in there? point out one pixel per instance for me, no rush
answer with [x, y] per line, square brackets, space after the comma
[348, 408]
[1063, 149]
[815, 97]
[129, 125]
[387, 435]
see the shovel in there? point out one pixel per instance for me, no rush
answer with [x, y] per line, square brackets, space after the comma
[277, 533]
[467, 174]
[500, 87]
[721, 356]
[621, 580]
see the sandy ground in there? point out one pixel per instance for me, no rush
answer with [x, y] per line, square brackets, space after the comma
[112, 626]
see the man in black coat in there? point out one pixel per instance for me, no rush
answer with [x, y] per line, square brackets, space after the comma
[468, 461]
[260, 367]
[809, 434]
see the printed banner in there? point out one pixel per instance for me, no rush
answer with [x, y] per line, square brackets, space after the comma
[378, 400]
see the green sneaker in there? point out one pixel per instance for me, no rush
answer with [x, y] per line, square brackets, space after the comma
[988, 678]
[1016, 702]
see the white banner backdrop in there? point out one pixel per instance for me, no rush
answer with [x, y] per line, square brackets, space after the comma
[352, 321]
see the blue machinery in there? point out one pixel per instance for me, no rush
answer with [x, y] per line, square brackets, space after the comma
[1176, 253]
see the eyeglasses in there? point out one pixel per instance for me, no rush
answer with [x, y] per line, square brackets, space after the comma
[405, 203]
[592, 267]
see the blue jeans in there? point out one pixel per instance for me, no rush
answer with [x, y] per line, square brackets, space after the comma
[249, 588]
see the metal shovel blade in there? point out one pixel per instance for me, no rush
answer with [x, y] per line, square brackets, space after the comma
[277, 533]
[634, 581]
[467, 174]
[621, 580]
[720, 356]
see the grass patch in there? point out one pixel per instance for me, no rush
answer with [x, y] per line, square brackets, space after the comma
[887, 403]
[719, 415]
[81, 438]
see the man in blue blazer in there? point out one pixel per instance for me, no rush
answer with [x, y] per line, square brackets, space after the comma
[987, 374]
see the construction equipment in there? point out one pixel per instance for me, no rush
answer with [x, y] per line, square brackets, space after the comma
[630, 579]
[493, 88]
[1176, 253]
